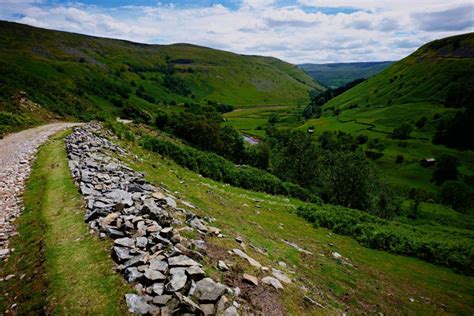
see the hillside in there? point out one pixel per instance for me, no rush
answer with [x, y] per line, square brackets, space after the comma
[85, 77]
[428, 75]
[337, 74]
[425, 90]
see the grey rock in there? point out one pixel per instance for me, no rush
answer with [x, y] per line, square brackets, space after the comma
[280, 276]
[222, 266]
[221, 304]
[171, 202]
[125, 242]
[198, 224]
[208, 291]
[158, 288]
[195, 272]
[142, 242]
[273, 282]
[114, 233]
[91, 215]
[250, 260]
[250, 279]
[159, 265]
[137, 304]
[231, 311]
[133, 261]
[154, 275]
[207, 309]
[177, 281]
[132, 274]
[121, 253]
[181, 261]
[161, 299]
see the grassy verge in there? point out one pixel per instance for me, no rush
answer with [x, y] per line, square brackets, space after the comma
[59, 268]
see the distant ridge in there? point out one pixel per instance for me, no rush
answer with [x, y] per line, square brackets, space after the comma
[335, 75]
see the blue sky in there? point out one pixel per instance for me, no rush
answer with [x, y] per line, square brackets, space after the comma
[298, 31]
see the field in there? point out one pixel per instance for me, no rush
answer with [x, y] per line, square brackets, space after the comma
[253, 120]
[374, 281]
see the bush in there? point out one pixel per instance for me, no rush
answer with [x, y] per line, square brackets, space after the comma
[217, 168]
[133, 112]
[449, 248]
[421, 122]
[446, 169]
[456, 195]
[400, 159]
[403, 131]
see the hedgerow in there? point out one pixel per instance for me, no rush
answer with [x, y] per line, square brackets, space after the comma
[213, 166]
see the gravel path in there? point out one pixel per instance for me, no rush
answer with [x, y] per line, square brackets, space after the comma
[16, 152]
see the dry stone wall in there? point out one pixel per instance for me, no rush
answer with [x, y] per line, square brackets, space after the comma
[145, 223]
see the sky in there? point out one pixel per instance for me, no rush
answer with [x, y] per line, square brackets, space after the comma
[298, 31]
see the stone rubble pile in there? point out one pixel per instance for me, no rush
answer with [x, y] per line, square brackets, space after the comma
[143, 221]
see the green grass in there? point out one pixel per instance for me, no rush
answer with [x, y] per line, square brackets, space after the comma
[377, 281]
[253, 120]
[66, 270]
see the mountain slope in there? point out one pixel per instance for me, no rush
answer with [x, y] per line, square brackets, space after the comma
[428, 75]
[78, 75]
[424, 90]
[337, 74]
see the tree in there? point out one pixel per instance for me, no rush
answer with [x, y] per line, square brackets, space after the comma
[362, 139]
[457, 195]
[403, 131]
[375, 144]
[233, 144]
[258, 156]
[400, 159]
[348, 179]
[293, 157]
[274, 118]
[446, 169]
[421, 122]
[161, 120]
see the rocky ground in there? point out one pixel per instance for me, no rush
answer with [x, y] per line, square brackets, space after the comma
[16, 153]
[147, 227]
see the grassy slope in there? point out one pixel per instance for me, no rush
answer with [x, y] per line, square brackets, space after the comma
[338, 74]
[252, 121]
[378, 281]
[60, 71]
[406, 91]
[67, 271]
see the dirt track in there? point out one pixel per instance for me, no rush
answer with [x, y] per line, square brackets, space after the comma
[16, 153]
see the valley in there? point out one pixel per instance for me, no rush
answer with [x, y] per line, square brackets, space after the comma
[180, 179]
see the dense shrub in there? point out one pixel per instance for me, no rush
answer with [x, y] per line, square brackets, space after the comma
[457, 195]
[133, 112]
[403, 131]
[217, 168]
[446, 169]
[454, 249]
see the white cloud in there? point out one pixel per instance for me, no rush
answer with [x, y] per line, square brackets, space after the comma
[378, 30]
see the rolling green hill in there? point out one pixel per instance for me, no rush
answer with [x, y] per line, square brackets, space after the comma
[337, 74]
[425, 89]
[85, 77]
[427, 75]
